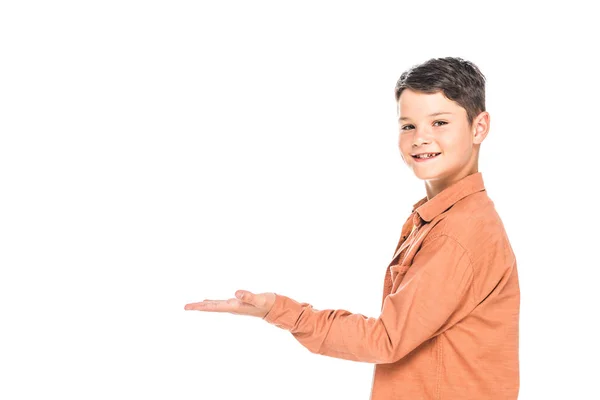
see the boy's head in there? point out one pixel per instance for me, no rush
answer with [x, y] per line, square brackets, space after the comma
[456, 88]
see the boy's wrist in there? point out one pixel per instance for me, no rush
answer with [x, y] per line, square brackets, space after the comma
[284, 313]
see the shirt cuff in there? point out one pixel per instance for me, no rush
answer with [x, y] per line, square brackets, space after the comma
[284, 313]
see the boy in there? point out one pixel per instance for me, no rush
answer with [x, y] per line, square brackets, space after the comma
[449, 325]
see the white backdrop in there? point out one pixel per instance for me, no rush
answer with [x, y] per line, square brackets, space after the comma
[158, 153]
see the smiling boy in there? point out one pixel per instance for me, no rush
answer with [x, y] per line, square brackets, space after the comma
[449, 322]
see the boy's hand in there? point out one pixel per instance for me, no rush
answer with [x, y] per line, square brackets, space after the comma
[245, 303]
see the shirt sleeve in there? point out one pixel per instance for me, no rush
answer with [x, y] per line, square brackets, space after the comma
[435, 294]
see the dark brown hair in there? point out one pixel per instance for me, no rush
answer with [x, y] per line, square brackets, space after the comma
[459, 80]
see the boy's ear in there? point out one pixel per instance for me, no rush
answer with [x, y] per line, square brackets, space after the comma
[481, 127]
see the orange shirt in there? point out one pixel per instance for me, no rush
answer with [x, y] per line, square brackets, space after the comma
[449, 323]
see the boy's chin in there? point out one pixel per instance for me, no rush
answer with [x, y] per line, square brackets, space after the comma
[426, 175]
[422, 174]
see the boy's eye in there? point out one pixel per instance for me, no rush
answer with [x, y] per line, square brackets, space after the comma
[407, 126]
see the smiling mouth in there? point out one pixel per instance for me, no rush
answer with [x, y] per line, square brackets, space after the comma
[427, 156]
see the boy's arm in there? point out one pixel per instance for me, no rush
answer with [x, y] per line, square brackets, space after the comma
[435, 293]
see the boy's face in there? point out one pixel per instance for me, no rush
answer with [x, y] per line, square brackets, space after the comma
[448, 134]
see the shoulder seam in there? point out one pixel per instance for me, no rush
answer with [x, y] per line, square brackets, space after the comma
[457, 242]
[468, 256]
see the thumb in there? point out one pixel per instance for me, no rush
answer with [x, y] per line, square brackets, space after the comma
[245, 296]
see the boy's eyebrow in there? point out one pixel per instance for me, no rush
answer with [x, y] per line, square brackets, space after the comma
[430, 115]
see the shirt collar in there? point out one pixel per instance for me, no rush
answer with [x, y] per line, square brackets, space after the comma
[445, 199]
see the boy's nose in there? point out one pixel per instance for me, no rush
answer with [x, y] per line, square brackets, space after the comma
[419, 141]
[420, 137]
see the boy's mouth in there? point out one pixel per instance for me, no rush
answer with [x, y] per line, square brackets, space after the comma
[425, 156]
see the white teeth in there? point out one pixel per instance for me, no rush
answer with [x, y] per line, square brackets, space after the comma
[427, 155]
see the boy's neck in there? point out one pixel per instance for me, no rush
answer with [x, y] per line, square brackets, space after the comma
[435, 186]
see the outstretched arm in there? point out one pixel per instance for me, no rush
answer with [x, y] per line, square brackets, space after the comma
[435, 294]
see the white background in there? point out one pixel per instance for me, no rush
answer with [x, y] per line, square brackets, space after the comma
[158, 153]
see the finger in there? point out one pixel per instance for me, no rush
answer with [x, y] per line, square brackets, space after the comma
[257, 300]
[195, 306]
[246, 296]
[211, 305]
[192, 306]
[241, 294]
[202, 305]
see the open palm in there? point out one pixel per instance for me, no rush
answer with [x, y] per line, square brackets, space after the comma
[245, 303]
